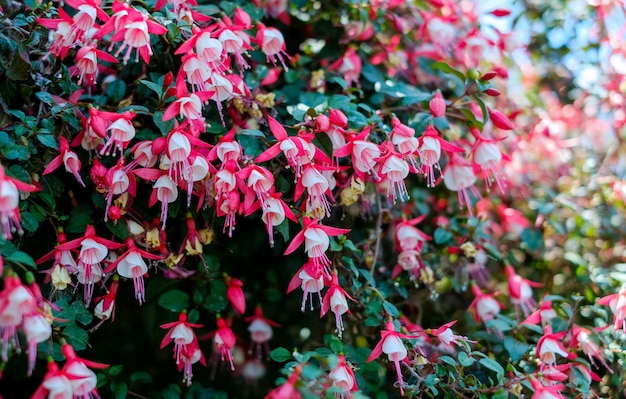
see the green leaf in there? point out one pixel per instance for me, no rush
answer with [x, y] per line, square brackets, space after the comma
[250, 145]
[444, 67]
[81, 313]
[21, 258]
[164, 126]
[119, 229]
[116, 91]
[158, 89]
[280, 355]
[217, 299]
[29, 222]
[372, 74]
[368, 276]
[174, 300]
[78, 223]
[140, 377]
[76, 336]
[442, 236]
[48, 140]
[391, 309]
[493, 366]
[465, 360]
[515, 348]
[120, 389]
[45, 97]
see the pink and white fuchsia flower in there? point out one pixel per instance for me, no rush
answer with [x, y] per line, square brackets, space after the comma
[261, 332]
[10, 218]
[391, 344]
[520, 290]
[336, 300]
[272, 44]
[310, 278]
[459, 176]
[343, 378]
[186, 349]
[617, 304]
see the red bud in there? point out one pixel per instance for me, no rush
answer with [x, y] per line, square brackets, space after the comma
[489, 75]
[168, 79]
[499, 119]
[492, 92]
[338, 118]
[500, 12]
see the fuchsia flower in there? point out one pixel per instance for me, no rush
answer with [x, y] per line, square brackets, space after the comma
[393, 169]
[408, 236]
[487, 156]
[83, 379]
[617, 303]
[235, 294]
[10, 217]
[403, 137]
[343, 378]
[365, 154]
[66, 157]
[186, 349]
[272, 44]
[87, 63]
[315, 237]
[447, 338]
[275, 210]
[310, 277]
[582, 336]
[261, 331]
[459, 176]
[105, 305]
[349, 65]
[288, 389]
[484, 306]
[430, 153]
[188, 106]
[335, 300]
[131, 264]
[520, 291]
[224, 340]
[56, 384]
[546, 391]
[550, 345]
[391, 344]
[542, 316]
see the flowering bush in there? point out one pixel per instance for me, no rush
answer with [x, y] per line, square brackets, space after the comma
[173, 171]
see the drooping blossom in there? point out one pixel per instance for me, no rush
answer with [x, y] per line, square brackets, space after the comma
[484, 306]
[459, 176]
[56, 384]
[10, 218]
[364, 154]
[336, 300]
[447, 337]
[521, 291]
[343, 378]
[261, 331]
[391, 344]
[66, 157]
[310, 278]
[315, 237]
[617, 304]
[288, 389]
[550, 345]
[272, 43]
[186, 348]
[430, 149]
[84, 380]
[349, 65]
[131, 264]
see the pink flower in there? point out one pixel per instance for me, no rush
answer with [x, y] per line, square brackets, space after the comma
[9, 200]
[67, 158]
[447, 338]
[582, 336]
[364, 154]
[546, 392]
[84, 380]
[121, 132]
[520, 290]
[335, 300]
[343, 378]
[272, 44]
[131, 264]
[391, 344]
[315, 239]
[403, 137]
[56, 384]
[261, 331]
[543, 315]
[87, 63]
[235, 294]
[310, 278]
[550, 345]
[617, 303]
[484, 306]
[224, 340]
[430, 152]
[186, 349]
[275, 210]
[459, 176]
[349, 65]
[393, 169]
[16, 302]
[93, 250]
[409, 237]
[288, 389]
[487, 156]
[499, 119]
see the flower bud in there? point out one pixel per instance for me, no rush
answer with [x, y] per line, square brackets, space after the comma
[500, 120]
[338, 118]
[489, 75]
[322, 123]
[437, 105]
[492, 92]
[114, 212]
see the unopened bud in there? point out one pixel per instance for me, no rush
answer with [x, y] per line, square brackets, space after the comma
[114, 213]
[322, 123]
[492, 92]
[338, 118]
[499, 119]
[437, 105]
